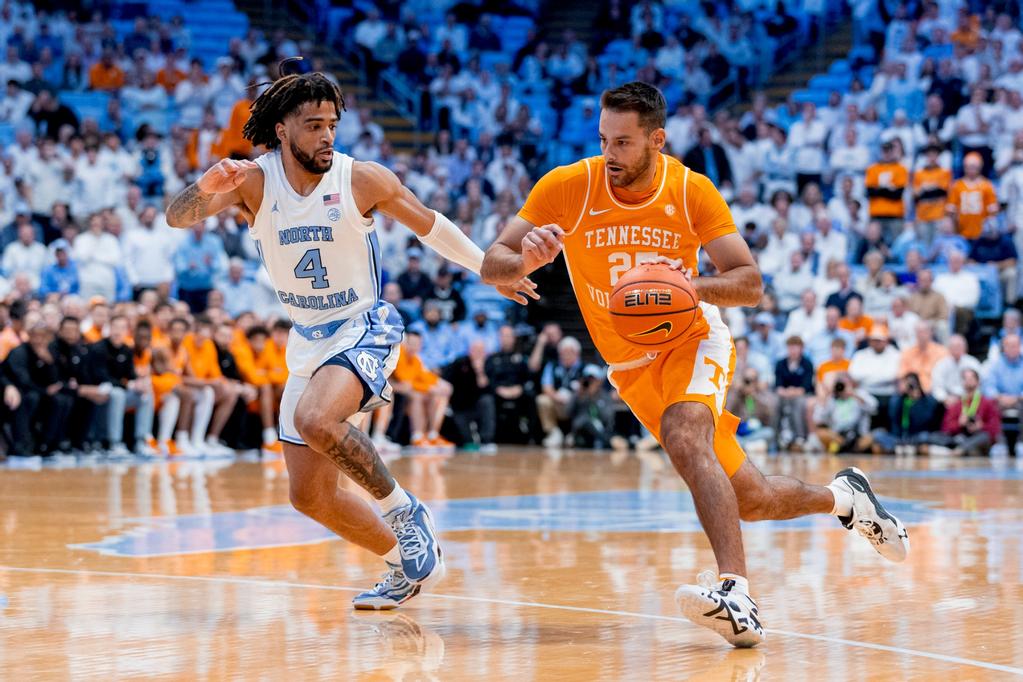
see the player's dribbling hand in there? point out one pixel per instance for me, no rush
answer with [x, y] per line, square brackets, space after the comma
[675, 264]
[224, 175]
[541, 246]
[514, 292]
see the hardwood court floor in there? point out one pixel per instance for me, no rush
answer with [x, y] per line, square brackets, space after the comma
[559, 569]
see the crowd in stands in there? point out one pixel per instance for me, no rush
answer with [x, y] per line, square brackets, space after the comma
[886, 221]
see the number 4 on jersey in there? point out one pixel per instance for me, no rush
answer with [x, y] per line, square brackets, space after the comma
[311, 267]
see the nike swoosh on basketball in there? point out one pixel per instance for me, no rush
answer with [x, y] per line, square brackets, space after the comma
[662, 327]
[592, 212]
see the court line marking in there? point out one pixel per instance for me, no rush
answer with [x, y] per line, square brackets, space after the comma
[522, 604]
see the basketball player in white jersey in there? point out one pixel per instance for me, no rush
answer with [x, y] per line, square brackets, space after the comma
[308, 209]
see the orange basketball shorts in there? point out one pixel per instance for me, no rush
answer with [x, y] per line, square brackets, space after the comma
[699, 370]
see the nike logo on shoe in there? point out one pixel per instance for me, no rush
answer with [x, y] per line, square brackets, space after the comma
[593, 212]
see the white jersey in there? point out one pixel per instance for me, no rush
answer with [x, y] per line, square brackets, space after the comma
[321, 254]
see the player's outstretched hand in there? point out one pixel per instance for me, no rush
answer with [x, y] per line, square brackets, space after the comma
[675, 264]
[519, 290]
[224, 176]
[541, 246]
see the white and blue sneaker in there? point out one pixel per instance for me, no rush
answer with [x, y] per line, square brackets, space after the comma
[421, 559]
[392, 591]
[870, 519]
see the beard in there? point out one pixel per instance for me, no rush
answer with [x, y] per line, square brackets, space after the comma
[310, 162]
[630, 174]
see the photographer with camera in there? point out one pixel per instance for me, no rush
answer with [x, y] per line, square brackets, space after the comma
[972, 423]
[843, 419]
[592, 411]
[915, 418]
[757, 408]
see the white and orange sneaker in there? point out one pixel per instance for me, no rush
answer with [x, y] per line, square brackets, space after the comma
[717, 605]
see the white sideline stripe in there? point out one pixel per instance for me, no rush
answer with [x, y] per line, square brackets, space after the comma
[522, 604]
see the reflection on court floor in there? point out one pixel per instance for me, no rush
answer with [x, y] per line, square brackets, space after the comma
[560, 568]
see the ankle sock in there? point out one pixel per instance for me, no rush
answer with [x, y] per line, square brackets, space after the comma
[393, 556]
[396, 498]
[843, 500]
[741, 583]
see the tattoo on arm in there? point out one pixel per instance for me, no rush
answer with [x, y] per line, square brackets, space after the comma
[355, 455]
[189, 207]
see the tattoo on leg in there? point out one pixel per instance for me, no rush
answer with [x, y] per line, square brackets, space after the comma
[190, 205]
[355, 455]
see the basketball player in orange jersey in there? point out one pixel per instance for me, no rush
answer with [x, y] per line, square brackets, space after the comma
[631, 205]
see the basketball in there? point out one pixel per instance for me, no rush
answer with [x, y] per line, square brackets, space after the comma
[653, 306]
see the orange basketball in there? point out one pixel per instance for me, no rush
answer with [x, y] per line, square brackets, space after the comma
[653, 306]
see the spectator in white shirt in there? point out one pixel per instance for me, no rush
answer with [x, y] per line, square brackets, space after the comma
[975, 126]
[225, 89]
[947, 375]
[15, 104]
[451, 31]
[746, 209]
[851, 158]
[239, 292]
[25, 255]
[146, 102]
[876, 367]
[98, 255]
[790, 284]
[146, 261]
[192, 95]
[829, 243]
[780, 245]
[95, 186]
[14, 68]
[45, 176]
[806, 321]
[902, 322]
[961, 290]
[370, 30]
[806, 138]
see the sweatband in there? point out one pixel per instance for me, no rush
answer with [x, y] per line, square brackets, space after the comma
[446, 239]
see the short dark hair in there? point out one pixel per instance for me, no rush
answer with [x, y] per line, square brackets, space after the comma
[179, 320]
[70, 318]
[258, 330]
[281, 326]
[646, 100]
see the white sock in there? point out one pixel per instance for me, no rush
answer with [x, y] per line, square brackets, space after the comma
[418, 435]
[182, 437]
[168, 417]
[393, 556]
[212, 440]
[397, 498]
[741, 584]
[432, 435]
[269, 436]
[843, 500]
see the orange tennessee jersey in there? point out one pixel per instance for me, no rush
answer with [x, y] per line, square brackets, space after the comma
[202, 358]
[973, 201]
[605, 238]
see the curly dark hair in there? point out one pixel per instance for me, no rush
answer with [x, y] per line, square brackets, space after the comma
[283, 98]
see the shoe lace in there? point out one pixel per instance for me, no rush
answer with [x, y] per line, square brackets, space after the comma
[708, 580]
[391, 580]
[410, 539]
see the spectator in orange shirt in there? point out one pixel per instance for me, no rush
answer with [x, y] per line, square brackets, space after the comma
[99, 319]
[174, 403]
[967, 33]
[855, 321]
[886, 183]
[930, 190]
[171, 74]
[163, 313]
[217, 397]
[106, 75]
[837, 363]
[232, 143]
[13, 334]
[921, 358]
[258, 364]
[972, 199]
[427, 393]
